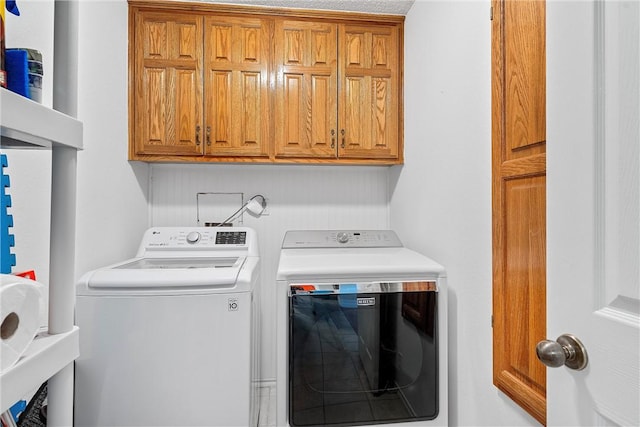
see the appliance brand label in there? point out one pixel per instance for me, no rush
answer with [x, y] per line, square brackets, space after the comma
[367, 302]
[232, 304]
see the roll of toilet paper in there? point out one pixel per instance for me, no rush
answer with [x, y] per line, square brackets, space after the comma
[20, 301]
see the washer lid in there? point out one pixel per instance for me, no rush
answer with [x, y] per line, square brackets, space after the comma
[159, 273]
[177, 263]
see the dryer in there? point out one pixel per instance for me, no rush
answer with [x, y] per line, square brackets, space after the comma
[168, 338]
[361, 331]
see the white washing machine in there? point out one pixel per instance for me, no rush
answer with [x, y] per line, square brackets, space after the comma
[361, 332]
[168, 338]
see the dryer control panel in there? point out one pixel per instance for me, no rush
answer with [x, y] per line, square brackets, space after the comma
[341, 238]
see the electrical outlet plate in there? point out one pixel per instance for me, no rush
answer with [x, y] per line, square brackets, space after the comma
[213, 207]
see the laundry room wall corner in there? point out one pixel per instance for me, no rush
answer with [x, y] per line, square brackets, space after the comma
[440, 199]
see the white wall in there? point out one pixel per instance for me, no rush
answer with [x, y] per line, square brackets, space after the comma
[112, 192]
[441, 198]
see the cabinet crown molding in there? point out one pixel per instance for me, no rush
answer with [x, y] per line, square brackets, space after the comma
[316, 14]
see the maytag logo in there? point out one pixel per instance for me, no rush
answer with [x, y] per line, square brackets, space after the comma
[366, 301]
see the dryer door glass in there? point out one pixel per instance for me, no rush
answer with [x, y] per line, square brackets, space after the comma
[362, 357]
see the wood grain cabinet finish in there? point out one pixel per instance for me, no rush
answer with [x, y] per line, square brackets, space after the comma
[519, 201]
[228, 83]
[337, 90]
[236, 52]
[168, 84]
[307, 88]
[369, 87]
[201, 86]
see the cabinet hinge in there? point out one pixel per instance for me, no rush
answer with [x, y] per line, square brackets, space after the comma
[492, 320]
[491, 13]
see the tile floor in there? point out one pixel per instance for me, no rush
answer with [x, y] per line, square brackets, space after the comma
[267, 416]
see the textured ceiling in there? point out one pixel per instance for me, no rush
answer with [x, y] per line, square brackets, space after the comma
[390, 7]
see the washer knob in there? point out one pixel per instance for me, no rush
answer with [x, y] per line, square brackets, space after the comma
[193, 237]
[342, 237]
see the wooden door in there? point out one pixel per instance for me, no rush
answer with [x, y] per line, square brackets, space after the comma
[306, 87]
[236, 86]
[519, 200]
[594, 209]
[168, 83]
[369, 90]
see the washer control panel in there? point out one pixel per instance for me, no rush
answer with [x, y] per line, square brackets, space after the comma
[194, 237]
[231, 237]
[340, 238]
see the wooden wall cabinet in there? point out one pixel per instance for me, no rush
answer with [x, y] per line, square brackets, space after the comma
[200, 86]
[241, 84]
[337, 90]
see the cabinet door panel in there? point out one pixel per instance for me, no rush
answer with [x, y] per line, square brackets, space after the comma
[251, 118]
[155, 40]
[323, 47]
[355, 117]
[294, 46]
[519, 207]
[292, 96]
[168, 94]
[236, 86]
[321, 90]
[525, 103]
[188, 103]
[154, 121]
[382, 54]
[306, 87]
[354, 43]
[187, 44]
[525, 246]
[369, 97]
[220, 42]
[221, 108]
[382, 110]
[305, 122]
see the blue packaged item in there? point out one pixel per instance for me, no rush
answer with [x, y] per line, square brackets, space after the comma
[17, 69]
[7, 240]
[17, 409]
[347, 297]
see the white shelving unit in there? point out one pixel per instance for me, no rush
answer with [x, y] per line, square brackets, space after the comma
[27, 124]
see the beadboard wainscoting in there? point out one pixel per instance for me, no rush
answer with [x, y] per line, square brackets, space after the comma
[299, 197]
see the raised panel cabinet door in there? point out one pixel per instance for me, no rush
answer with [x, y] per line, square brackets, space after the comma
[306, 89]
[369, 91]
[519, 201]
[237, 113]
[167, 105]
